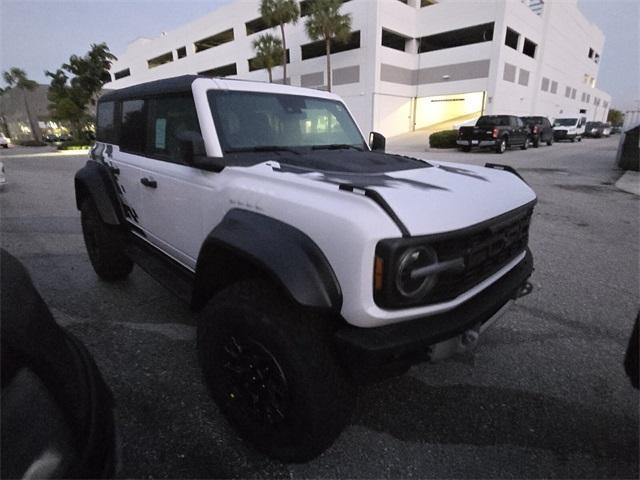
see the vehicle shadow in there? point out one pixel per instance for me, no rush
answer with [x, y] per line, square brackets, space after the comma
[412, 411]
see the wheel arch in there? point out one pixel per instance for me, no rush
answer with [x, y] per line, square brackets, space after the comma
[248, 244]
[94, 180]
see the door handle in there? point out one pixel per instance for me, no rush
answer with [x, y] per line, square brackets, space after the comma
[149, 182]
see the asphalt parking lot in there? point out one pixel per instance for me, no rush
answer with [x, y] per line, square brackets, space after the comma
[544, 395]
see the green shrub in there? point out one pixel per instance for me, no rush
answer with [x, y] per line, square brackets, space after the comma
[444, 139]
[75, 145]
[30, 143]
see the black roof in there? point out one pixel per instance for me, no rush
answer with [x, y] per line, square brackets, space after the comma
[166, 85]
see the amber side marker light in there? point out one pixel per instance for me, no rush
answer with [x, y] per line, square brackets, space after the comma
[377, 274]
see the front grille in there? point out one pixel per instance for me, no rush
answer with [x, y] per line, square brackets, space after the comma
[485, 251]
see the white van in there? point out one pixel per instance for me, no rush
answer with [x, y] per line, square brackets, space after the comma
[569, 128]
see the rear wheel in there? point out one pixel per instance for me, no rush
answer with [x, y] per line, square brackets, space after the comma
[466, 149]
[269, 367]
[550, 142]
[501, 146]
[525, 145]
[104, 243]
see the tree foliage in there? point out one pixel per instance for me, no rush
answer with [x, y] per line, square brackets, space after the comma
[77, 84]
[268, 52]
[615, 117]
[325, 22]
[278, 13]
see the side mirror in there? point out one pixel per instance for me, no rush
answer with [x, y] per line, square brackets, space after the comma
[377, 141]
[193, 152]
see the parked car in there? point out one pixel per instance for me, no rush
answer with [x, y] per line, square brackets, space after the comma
[494, 131]
[594, 129]
[315, 260]
[606, 129]
[57, 412]
[4, 141]
[615, 129]
[540, 130]
[571, 128]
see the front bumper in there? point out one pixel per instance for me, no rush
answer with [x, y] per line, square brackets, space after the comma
[476, 143]
[374, 353]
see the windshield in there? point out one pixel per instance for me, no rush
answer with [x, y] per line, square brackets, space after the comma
[565, 122]
[252, 121]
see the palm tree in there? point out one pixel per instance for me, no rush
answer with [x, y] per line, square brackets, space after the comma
[268, 52]
[17, 78]
[325, 22]
[279, 13]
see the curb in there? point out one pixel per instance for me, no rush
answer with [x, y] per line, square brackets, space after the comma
[629, 182]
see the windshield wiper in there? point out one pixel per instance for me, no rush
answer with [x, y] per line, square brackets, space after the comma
[336, 146]
[263, 148]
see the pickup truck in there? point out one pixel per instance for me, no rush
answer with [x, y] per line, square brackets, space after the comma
[540, 130]
[497, 131]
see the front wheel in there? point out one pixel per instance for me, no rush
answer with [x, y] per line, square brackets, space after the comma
[269, 367]
[550, 142]
[579, 139]
[104, 244]
[501, 146]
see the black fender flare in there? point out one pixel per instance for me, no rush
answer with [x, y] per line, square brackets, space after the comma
[248, 240]
[94, 179]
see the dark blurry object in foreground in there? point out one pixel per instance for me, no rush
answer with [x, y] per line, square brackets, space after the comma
[631, 357]
[57, 412]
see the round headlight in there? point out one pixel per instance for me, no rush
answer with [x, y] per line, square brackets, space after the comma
[414, 258]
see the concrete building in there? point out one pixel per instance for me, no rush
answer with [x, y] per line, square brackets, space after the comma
[409, 64]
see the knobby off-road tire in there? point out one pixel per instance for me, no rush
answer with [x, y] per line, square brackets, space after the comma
[269, 366]
[105, 245]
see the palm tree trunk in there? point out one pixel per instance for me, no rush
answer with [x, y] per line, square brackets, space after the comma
[327, 42]
[270, 75]
[284, 55]
[35, 129]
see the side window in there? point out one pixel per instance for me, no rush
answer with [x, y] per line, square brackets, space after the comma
[172, 119]
[105, 128]
[133, 131]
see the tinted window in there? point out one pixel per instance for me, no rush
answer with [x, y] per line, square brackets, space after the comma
[457, 38]
[105, 130]
[133, 131]
[511, 38]
[172, 119]
[493, 120]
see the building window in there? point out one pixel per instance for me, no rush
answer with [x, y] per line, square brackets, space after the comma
[223, 71]
[427, 3]
[160, 60]
[214, 40]
[529, 48]
[121, 74]
[182, 52]
[545, 84]
[567, 92]
[404, 1]
[554, 87]
[133, 131]
[254, 64]
[255, 26]
[457, 38]
[509, 72]
[523, 78]
[393, 40]
[573, 93]
[591, 52]
[588, 98]
[597, 58]
[511, 39]
[317, 49]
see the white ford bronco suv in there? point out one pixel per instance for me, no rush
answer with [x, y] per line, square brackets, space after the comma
[315, 261]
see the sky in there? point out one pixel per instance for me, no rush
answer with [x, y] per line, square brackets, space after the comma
[39, 35]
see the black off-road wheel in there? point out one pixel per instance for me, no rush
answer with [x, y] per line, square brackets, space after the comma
[501, 146]
[105, 245]
[270, 368]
